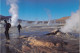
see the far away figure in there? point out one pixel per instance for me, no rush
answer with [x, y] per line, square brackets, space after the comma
[19, 27]
[7, 26]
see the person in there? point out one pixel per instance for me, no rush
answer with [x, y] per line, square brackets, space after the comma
[7, 27]
[19, 27]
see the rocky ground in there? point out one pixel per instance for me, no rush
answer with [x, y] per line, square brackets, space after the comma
[35, 40]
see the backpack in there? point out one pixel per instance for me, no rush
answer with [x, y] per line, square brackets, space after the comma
[8, 25]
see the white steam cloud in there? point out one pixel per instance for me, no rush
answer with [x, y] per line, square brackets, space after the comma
[13, 11]
[49, 16]
[73, 23]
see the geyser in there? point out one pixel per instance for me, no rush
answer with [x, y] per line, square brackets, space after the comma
[49, 16]
[13, 11]
[73, 23]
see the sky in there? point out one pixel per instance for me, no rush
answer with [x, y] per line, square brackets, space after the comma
[41, 9]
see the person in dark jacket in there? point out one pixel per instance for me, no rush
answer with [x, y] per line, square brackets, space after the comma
[19, 27]
[7, 27]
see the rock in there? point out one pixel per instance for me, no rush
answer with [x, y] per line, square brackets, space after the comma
[58, 44]
[54, 31]
[25, 48]
[36, 42]
[21, 36]
[48, 45]
[58, 33]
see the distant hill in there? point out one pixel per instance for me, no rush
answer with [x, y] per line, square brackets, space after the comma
[4, 17]
[63, 19]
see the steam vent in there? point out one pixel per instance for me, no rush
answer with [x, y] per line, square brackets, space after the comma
[39, 26]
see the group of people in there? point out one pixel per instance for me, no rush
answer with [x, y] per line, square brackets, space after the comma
[8, 26]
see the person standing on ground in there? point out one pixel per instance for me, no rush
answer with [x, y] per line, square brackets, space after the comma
[19, 27]
[7, 27]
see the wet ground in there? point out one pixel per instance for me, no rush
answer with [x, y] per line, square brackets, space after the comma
[15, 44]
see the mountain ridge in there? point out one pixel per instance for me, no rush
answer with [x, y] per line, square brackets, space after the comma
[57, 20]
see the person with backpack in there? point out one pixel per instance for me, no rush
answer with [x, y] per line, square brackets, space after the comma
[19, 27]
[7, 27]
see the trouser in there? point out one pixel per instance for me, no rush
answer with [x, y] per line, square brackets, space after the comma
[7, 34]
[19, 31]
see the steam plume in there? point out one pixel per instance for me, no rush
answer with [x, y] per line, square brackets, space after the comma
[49, 16]
[73, 23]
[13, 11]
